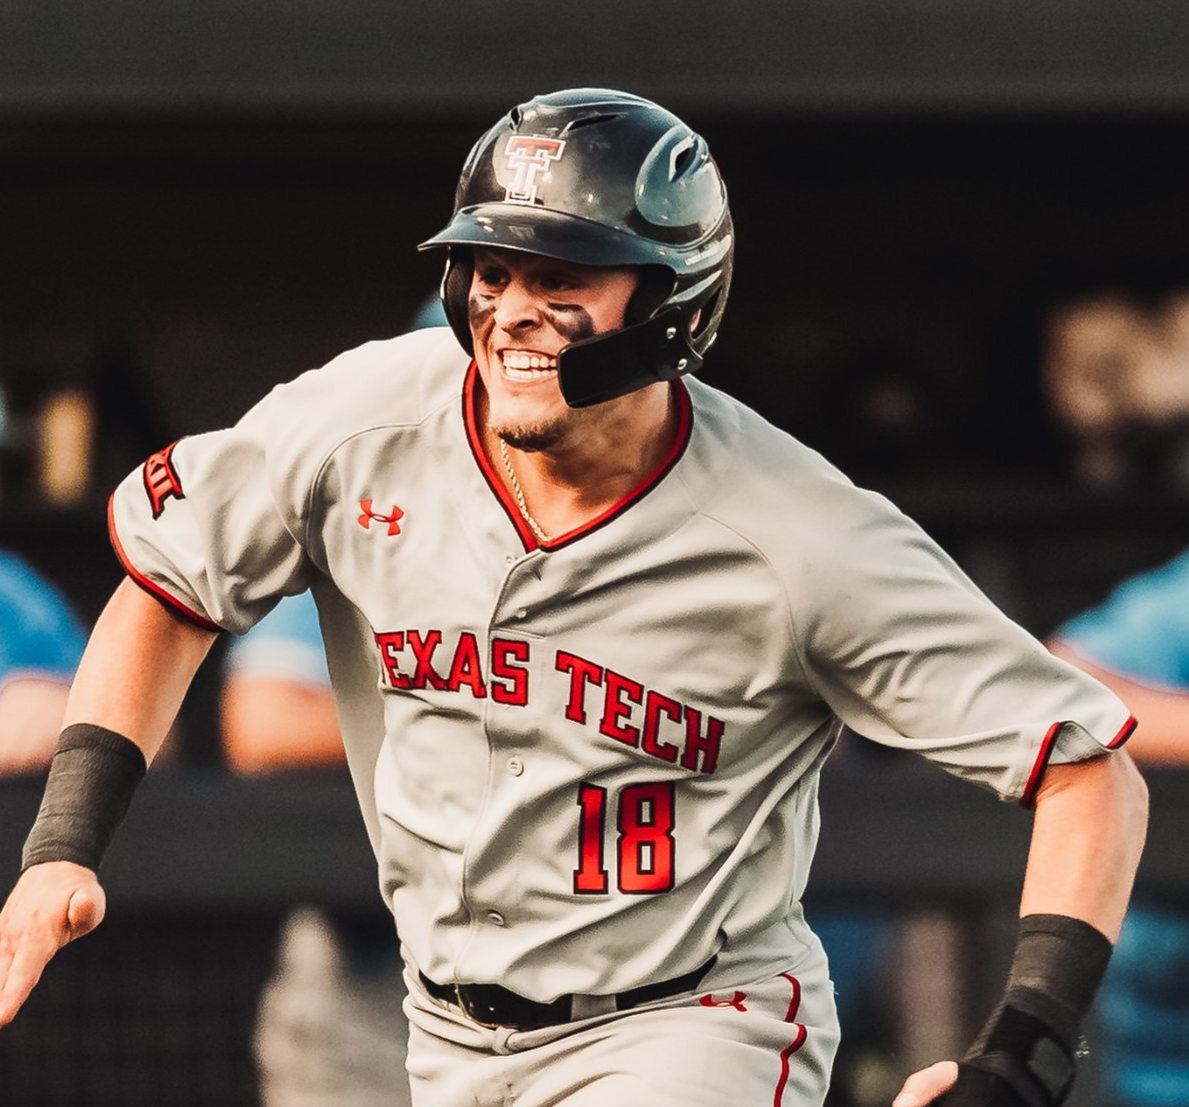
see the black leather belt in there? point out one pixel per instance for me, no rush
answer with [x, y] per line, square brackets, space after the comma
[492, 1005]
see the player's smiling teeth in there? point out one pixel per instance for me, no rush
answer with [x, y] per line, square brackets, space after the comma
[525, 365]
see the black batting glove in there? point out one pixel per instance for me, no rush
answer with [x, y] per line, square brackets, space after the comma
[996, 1080]
[1026, 1054]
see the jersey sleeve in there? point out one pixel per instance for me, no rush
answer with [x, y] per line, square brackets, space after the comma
[221, 525]
[213, 525]
[909, 653]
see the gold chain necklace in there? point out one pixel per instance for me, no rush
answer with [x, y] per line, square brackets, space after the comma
[518, 492]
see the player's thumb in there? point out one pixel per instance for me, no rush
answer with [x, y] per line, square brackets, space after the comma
[85, 911]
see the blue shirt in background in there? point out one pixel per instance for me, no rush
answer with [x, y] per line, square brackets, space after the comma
[285, 645]
[40, 636]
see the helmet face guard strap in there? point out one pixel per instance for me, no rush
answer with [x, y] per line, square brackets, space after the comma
[613, 364]
[605, 178]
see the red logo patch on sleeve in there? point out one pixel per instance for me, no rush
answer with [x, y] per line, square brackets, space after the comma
[161, 479]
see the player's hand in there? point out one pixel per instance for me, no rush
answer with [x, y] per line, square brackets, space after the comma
[927, 1086]
[52, 904]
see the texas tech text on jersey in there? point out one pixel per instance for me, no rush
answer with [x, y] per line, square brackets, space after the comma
[627, 710]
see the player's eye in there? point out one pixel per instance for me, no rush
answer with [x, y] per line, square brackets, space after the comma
[558, 282]
[491, 276]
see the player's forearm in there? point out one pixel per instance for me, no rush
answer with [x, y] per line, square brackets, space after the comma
[1090, 823]
[136, 669]
[1087, 837]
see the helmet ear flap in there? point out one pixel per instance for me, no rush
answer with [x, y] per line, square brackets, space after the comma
[456, 290]
[655, 286]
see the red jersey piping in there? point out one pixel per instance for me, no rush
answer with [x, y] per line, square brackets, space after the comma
[1125, 732]
[1046, 751]
[685, 421]
[1039, 766]
[155, 590]
[475, 440]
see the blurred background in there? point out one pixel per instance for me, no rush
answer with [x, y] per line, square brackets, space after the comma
[962, 273]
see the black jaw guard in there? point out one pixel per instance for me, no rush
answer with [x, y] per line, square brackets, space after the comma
[606, 366]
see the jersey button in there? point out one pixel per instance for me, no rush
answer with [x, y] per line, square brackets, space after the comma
[521, 612]
[515, 766]
[495, 918]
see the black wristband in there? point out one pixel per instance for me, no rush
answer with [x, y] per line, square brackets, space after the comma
[92, 776]
[994, 1081]
[1033, 1035]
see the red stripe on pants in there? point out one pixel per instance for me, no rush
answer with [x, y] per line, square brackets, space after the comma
[795, 1044]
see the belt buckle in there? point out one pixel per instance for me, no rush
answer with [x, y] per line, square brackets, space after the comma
[468, 1009]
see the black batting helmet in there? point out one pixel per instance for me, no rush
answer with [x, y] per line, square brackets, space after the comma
[600, 177]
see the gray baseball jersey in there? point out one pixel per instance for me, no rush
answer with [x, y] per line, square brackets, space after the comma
[593, 763]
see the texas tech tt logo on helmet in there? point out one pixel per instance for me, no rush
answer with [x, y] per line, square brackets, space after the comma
[529, 157]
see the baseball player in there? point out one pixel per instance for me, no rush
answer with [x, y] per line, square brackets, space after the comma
[593, 627]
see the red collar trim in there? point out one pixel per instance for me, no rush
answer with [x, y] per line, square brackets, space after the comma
[685, 422]
[475, 439]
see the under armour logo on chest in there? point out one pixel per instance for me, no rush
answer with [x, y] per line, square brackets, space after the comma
[735, 999]
[392, 518]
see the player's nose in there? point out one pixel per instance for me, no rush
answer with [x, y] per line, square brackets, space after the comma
[517, 307]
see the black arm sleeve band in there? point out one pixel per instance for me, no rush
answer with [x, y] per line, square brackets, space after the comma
[92, 776]
[1032, 1039]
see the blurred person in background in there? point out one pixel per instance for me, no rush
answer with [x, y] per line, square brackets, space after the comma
[330, 1029]
[41, 641]
[1116, 375]
[1137, 643]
